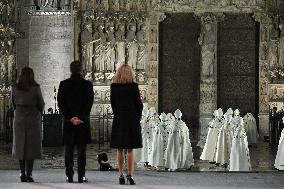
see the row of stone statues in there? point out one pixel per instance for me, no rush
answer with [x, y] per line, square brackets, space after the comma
[7, 43]
[7, 57]
[206, 2]
[7, 9]
[107, 46]
[54, 4]
[117, 5]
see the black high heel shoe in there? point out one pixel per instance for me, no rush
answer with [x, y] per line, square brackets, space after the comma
[130, 180]
[121, 180]
[30, 178]
[23, 178]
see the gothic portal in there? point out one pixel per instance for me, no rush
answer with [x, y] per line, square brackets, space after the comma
[193, 55]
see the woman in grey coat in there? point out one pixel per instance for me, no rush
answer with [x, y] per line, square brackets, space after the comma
[28, 105]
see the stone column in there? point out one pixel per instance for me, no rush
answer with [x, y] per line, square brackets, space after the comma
[208, 75]
[153, 57]
[265, 25]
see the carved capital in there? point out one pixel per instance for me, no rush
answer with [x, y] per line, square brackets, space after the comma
[161, 17]
[207, 17]
[156, 17]
[262, 17]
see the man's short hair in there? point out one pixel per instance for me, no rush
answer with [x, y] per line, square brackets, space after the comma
[76, 67]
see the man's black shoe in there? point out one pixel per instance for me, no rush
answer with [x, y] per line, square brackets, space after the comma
[69, 179]
[82, 180]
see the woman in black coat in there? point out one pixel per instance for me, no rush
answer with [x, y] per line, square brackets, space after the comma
[127, 109]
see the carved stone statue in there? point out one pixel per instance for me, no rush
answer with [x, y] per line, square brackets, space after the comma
[142, 47]
[1, 12]
[109, 49]
[131, 46]
[120, 45]
[263, 52]
[114, 5]
[87, 47]
[11, 46]
[102, 4]
[208, 59]
[99, 52]
[272, 57]
[4, 69]
[4, 48]
[264, 34]
[207, 40]
[11, 67]
[50, 3]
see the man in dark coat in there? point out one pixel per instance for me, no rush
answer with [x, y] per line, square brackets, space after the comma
[75, 100]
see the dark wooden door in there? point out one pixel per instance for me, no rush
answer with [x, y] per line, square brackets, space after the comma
[238, 63]
[179, 66]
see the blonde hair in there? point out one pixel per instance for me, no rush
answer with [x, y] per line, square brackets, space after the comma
[124, 74]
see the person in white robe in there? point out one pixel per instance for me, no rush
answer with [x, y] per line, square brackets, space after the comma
[144, 121]
[224, 139]
[160, 142]
[170, 121]
[251, 128]
[279, 160]
[214, 125]
[239, 156]
[179, 152]
[147, 135]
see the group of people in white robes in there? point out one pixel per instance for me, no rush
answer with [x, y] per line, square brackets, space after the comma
[165, 139]
[279, 161]
[227, 141]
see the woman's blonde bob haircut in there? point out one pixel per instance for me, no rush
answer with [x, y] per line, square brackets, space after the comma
[124, 74]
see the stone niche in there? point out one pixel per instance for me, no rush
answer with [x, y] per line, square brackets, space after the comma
[50, 52]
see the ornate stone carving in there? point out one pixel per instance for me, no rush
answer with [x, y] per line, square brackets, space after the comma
[132, 47]
[110, 49]
[273, 54]
[99, 51]
[208, 40]
[206, 5]
[263, 51]
[87, 47]
[120, 44]
[263, 87]
[142, 48]
[263, 104]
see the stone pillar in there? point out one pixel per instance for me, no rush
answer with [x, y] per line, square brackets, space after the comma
[265, 25]
[50, 51]
[153, 57]
[208, 75]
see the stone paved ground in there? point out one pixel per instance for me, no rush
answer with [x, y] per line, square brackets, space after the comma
[55, 179]
[262, 158]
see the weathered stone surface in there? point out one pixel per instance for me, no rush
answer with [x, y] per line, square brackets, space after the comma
[50, 52]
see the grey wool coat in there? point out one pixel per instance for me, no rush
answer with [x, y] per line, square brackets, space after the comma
[27, 137]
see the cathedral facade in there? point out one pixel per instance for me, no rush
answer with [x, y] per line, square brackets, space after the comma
[195, 55]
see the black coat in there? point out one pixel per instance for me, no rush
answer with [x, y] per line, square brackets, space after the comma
[75, 99]
[127, 109]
